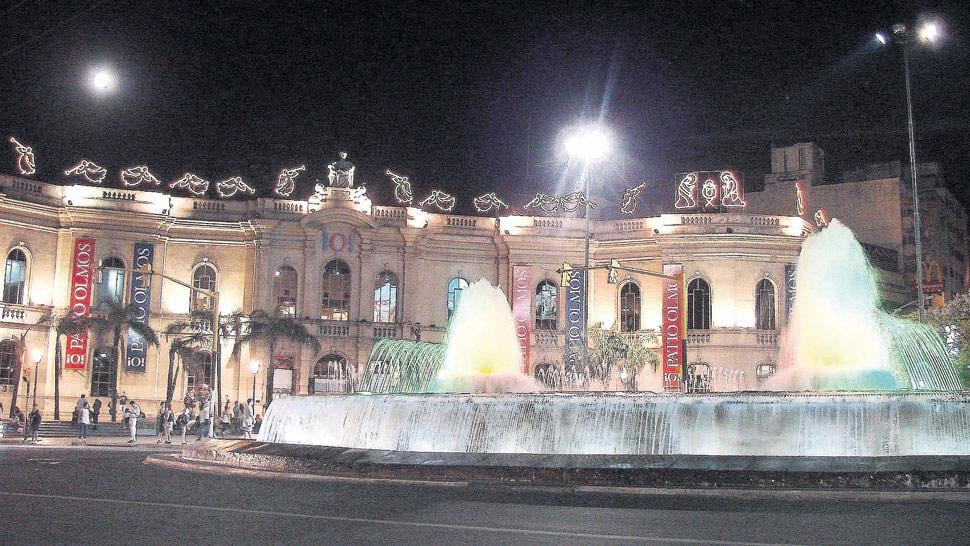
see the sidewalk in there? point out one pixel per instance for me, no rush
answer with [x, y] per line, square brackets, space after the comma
[143, 442]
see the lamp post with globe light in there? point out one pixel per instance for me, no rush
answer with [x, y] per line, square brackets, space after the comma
[589, 144]
[926, 33]
[37, 357]
[254, 367]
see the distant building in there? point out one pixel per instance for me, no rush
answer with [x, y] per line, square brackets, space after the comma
[875, 200]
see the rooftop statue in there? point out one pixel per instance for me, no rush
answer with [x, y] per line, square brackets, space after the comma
[341, 172]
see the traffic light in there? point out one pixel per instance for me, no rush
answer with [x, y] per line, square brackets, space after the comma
[564, 274]
[611, 271]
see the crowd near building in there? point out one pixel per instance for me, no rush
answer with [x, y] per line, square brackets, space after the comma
[354, 272]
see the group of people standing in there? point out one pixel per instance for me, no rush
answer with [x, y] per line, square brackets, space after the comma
[86, 415]
[29, 423]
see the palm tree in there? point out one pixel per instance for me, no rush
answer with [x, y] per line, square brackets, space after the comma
[67, 324]
[611, 348]
[119, 319]
[190, 339]
[272, 329]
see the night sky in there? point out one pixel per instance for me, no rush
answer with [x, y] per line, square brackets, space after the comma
[473, 97]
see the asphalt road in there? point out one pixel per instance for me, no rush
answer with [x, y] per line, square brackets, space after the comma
[110, 496]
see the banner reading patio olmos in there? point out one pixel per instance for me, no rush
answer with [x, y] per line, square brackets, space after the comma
[82, 271]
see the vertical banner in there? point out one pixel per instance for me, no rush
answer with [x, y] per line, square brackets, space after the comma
[522, 310]
[673, 326]
[82, 271]
[790, 288]
[575, 317]
[140, 296]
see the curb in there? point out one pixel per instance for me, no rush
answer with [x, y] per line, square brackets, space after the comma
[176, 462]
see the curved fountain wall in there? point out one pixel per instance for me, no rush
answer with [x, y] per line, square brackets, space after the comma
[776, 424]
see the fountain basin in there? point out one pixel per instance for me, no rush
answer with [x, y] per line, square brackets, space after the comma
[754, 424]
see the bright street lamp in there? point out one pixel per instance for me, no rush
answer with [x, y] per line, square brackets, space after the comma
[927, 32]
[589, 144]
[254, 367]
[103, 80]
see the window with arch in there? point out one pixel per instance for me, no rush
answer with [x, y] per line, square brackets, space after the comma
[104, 379]
[455, 286]
[15, 277]
[336, 291]
[204, 277]
[764, 305]
[331, 373]
[698, 377]
[547, 306]
[284, 291]
[111, 283]
[8, 362]
[629, 307]
[764, 370]
[385, 297]
[698, 305]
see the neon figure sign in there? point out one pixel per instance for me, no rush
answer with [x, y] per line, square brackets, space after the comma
[402, 188]
[135, 176]
[720, 190]
[489, 202]
[569, 202]
[194, 184]
[89, 170]
[25, 157]
[631, 199]
[232, 186]
[440, 199]
[285, 183]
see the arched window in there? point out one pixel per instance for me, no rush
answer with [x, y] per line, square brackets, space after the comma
[331, 373]
[385, 297]
[8, 362]
[455, 286]
[111, 286]
[547, 306]
[15, 277]
[630, 307]
[764, 370]
[203, 277]
[698, 377]
[336, 291]
[284, 291]
[103, 375]
[698, 305]
[764, 305]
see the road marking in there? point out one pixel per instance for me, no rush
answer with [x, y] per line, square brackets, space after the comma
[402, 523]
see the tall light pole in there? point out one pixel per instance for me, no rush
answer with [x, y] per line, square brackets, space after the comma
[254, 367]
[906, 39]
[588, 144]
[37, 356]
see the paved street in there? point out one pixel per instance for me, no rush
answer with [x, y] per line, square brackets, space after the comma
[110, 496]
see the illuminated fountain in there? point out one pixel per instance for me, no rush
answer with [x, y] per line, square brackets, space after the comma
[839, 341]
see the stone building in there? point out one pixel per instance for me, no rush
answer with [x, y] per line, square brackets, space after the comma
[353, 273]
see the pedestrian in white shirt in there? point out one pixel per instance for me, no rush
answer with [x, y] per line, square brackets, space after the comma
[133, 421]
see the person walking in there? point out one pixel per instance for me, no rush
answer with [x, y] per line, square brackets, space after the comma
[238, 416]
[84, 419]
[160, 424]
[202, 427]
[249, 419]
[113, 406]
[133, 415]
[33, 424]
[168, 421]
[95, 411]
[183, 421]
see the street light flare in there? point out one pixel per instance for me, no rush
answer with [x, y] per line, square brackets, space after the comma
[929, 32]
[590, 143]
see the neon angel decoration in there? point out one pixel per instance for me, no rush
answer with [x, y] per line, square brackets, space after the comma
[136, 176]
[402, 188]
[194, 184]
[687, 192]
[731, 190]
[631, 199]
[821, 219]
[89, 170]
[569, 202]
[231, 186]
[489, 202]
[799, 199]
[439, 199]
[285, 183]
[25, 157]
